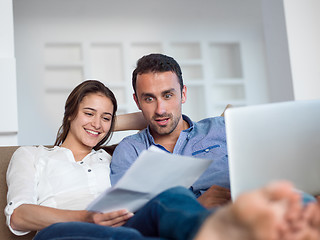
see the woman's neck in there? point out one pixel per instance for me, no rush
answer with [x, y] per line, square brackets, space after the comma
[79, 151]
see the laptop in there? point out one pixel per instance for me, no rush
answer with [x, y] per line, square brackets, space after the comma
[276, 141]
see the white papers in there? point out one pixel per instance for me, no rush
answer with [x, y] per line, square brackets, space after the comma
[153, 172]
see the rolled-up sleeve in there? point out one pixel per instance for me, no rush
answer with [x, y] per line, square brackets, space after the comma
[21, 181]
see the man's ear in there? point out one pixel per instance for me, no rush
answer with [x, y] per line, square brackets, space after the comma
[184, 94]
[136, 100]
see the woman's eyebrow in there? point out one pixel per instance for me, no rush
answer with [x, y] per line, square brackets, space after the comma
[92, 109]
[89, 108]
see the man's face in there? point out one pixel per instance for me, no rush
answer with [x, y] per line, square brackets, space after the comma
[159, 97]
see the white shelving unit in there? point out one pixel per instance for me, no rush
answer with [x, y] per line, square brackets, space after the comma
[212, 72]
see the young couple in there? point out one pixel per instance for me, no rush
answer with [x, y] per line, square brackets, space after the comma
[48, 189]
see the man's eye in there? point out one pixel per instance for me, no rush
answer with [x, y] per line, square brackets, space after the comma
[148, 99]
[168, 96]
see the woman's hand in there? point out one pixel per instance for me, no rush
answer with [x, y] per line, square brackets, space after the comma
[113, 219]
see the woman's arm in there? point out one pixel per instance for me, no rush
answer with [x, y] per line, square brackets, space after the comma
[30, 217]
[130, 121]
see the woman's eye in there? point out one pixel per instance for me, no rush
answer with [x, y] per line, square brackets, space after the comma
[88, 114]
[106, 119]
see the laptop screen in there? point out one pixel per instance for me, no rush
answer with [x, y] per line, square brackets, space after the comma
[277, 141]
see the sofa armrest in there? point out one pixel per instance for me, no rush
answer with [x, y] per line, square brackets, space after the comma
[5, 233]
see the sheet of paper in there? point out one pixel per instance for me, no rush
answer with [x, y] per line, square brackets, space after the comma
[153, 172]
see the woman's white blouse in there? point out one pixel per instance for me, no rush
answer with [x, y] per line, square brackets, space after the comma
[51, 177]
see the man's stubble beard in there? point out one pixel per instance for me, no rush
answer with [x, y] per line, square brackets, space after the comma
[168, 129]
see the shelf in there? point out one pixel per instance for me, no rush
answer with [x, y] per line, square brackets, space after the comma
[192, 72]
[120, 94]
[53, 66]
[137, 50]
[58, 90]
[190, 62]
[227, 93]
[106, 62]
[195, 82]
[55, 102]
[65, 77]
[195, 105]
[230, 81]
[63, 53]
[183, 51]
[212, 71]
[225, 60]
[233, 102]
[122, 108]
[114, 84]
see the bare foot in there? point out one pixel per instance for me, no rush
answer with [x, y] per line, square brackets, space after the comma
[271, 213]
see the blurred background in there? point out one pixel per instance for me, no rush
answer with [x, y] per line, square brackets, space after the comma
[230, 51]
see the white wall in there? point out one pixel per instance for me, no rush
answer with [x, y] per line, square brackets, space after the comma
[37, 22]
[303, 29]
[277, 51]
[8, 92]
[262, 33]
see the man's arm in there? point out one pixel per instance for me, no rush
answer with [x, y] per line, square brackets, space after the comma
[123, 157]
[213, 186]
[215, 196]
[130, 121]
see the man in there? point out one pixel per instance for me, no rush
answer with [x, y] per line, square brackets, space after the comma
[159, 93]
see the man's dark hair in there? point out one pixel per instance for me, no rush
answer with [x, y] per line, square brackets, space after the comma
[154, 63]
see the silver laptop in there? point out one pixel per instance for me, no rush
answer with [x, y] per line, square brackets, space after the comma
[273, 142]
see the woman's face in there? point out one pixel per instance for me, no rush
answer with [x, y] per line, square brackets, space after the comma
[93, 120]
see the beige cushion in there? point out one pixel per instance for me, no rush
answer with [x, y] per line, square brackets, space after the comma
[5, 156]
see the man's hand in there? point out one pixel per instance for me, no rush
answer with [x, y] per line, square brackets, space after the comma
[114, 219]
[215, 196]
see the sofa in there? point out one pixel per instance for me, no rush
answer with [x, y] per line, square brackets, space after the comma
[5, 233]
[5, 156]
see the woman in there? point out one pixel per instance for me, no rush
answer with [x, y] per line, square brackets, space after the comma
[48, 188]
[88, 122]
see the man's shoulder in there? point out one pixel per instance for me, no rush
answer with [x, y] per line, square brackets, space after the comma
[137, 141]
[211, 122]
[213, 127]
[140, 136]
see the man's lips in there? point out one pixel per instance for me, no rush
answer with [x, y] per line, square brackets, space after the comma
[162, 121]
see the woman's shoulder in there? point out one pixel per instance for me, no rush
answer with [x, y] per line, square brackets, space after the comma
[35, 150]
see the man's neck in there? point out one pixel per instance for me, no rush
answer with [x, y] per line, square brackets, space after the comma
[169, 141]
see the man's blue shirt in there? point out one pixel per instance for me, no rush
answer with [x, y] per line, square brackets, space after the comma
[203, 139]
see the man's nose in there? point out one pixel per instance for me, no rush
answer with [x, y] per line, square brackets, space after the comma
[161, 107]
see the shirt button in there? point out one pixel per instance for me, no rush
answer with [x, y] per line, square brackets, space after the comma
[100, 159]
[10, 203]
[81, 162]
[207, 150]
[89, 170]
